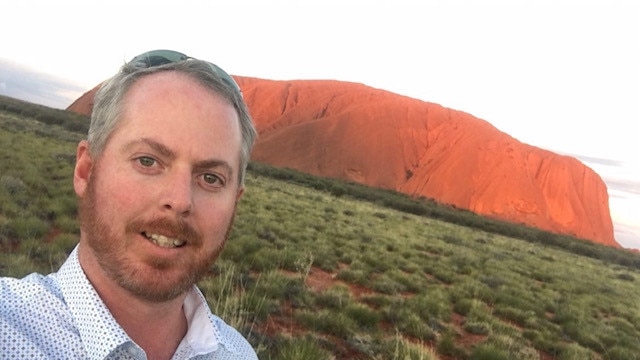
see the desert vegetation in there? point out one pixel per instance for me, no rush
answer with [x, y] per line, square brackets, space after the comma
[322, 269]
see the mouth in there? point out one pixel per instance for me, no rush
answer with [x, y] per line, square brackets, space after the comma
[163, 241]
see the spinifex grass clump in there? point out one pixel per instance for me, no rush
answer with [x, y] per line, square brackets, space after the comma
[321, 269]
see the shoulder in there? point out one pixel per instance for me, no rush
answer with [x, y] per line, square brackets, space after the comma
[34, 317]
[233, 340]
[29, 291]
[25, 299]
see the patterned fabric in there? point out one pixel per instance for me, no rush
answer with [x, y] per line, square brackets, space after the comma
[60, 316]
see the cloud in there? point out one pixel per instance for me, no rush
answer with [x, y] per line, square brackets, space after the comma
[30, 85]
[624, 186]
[598, 161]
[620, 176]
[628, 236]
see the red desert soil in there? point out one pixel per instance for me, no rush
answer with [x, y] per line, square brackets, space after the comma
[354, 132]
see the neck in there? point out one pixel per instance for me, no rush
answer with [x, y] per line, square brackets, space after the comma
[157, 328]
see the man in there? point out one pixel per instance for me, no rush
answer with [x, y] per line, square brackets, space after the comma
[158, 180]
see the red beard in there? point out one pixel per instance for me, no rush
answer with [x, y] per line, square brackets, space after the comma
[153, 279]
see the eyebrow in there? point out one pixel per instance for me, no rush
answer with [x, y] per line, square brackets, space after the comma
[156, 146]
[171, 155]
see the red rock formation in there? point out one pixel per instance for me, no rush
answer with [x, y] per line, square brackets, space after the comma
[358, 133]
[84, 103]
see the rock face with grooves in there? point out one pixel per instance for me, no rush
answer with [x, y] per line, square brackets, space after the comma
[370, 136]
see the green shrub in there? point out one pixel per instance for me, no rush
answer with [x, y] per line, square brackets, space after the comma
[64, 243]
[335, 298]
[626, 277]
[338, 325]
[67, 225]
[447, 346]
[410, 324]
[619, 353]
[402, 349]
[364, 316]
[303, 348]
[383, 284]
[463, 306]
[476, 327]
[352, 276]
[488, 352]
[27, 228]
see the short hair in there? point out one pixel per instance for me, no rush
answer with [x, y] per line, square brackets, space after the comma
[109, 100]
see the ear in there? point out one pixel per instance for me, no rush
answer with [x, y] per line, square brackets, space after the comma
[84, 166]
[239, 194]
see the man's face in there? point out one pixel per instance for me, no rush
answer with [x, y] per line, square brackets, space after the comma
[157, 205]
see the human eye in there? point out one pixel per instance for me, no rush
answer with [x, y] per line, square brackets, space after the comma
[147, 164]
[146, 161]
[212, 181]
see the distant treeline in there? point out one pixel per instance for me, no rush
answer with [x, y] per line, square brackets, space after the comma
[388, 198]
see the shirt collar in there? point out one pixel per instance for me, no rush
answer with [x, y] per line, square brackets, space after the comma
[203, 334]
[200, 328]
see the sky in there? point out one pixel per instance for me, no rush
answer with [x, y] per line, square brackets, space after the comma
[560, 75]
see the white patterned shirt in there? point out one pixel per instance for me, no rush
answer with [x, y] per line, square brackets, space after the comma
[61, 316]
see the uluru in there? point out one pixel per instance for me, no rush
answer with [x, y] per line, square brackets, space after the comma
[378, 138]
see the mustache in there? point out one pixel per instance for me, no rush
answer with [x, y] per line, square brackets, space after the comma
[172, 228]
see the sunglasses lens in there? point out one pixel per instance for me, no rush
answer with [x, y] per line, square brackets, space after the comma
[161, 57]
[157, 58]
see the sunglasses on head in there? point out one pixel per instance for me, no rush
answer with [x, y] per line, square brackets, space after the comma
[161, 57]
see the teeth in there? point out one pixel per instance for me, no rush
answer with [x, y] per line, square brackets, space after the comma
[164, 241]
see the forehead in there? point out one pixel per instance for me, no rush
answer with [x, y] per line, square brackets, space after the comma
[176, 110]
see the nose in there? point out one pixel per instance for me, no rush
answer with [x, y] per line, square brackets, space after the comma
[178, 194]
